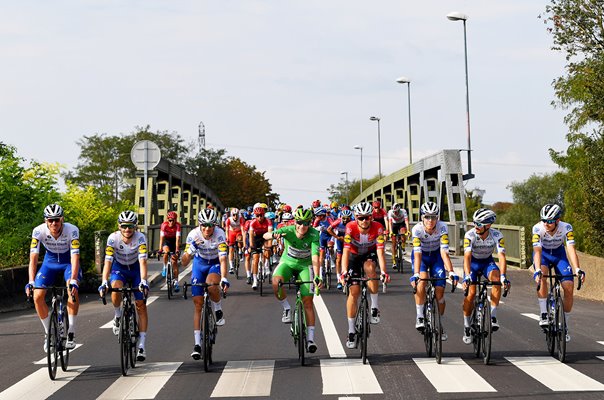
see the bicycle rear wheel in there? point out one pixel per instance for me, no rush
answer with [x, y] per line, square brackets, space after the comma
[64, 351]
[560, 331]
[437, 334]
[399, 257]
[52, 340]
[169, 275]
[487, 332]
[364, 310]
[301, 326]
[236, 262]
[428, 329]
[207, 342]
[124, 341]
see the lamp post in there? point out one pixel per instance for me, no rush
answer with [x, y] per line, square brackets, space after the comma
[403, 80]
[457, 16]
[379, 145]
[346, 183]
[357, 147]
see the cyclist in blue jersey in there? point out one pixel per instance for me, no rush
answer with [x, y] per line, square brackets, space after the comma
[338, 229]
[321, 223]
[549, 238]
[62, 243]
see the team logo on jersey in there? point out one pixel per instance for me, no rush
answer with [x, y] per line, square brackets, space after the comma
[75, 244]
[109, 251]
[142, 249]
[34, 243]
[347, 239]
[501, 243]
[222, 247]
[536, 238]
[380, 239]
[466, 242]
[570, 236]
[74, 234]
[417, 242]
[444, 239]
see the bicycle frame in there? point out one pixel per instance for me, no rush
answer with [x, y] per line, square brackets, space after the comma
[481, 324]
[362, 326]
[128, 334]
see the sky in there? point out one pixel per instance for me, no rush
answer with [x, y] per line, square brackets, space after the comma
[288, 86]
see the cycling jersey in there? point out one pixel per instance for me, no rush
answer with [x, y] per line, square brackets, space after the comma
[483, 249]
[379, 215]
[259, 228]
[361, 243]
[425, 242]
[207, 253]
[554, 253]
[233, 226]
[168, 231]
[58, 253]
[321, 225]
[297, 255]
[125, 258]
[339, 229]
[397, 218]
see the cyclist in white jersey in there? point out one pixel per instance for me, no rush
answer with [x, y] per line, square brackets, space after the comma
[206, 245]
[430, 257]
[126, 261]
[62, 243]
[397, 222]
[479, 244]
[549, 237]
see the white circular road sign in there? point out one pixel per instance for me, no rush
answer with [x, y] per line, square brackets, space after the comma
[145, 155]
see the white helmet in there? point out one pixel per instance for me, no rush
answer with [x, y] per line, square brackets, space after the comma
[207, 216]
[53, 211]
[363, 209]
[127, 217]
[551, 211]
[484, 216]
[234, 212]
[429, 208]
[287, 217]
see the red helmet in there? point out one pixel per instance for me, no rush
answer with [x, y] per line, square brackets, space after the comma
[316, 203]
[287, 208]
[172, 215]
[259, 211]
[376, 203]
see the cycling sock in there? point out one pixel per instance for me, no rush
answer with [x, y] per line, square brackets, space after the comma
[46, 323]
[141, 339]
[231, 263]
[71, 319]
[217, 305]
[197, 335]
[466, 321]
[493, 311]
[310, 333]
[285, 304]
[248, 273]
[374, 300]
[419, 310]
[567, 317]
[351, 325]
[543, 305]
[118, 312]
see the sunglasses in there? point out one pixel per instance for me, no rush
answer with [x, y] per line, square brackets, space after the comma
[303, 223]
[344, 220]
[170, 220]
[51, 220]
[127, 226]
[431, 217]
[479, 225]
[549, 221]
[207, 225]
[363, 218]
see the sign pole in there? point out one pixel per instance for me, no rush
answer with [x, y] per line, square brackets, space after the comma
[146, 152]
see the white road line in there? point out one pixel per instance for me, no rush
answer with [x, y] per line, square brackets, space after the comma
[109, 324]
[531, 316]
[554, 374]
[346, 376]
[39, 386]
[453, 375]
[600, 357]
[334, 344]
[601, 342]
[143, 382]
[43, 361]
[245, 379]
[181, 275]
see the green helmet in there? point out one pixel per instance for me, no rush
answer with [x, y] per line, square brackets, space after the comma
[303, 214]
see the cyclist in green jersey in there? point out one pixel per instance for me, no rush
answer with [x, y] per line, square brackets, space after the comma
[301, 251]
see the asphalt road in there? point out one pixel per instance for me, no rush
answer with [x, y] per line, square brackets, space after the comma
[255, 356]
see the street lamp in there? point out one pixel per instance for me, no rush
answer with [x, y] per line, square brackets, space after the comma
[457, 16]
[357, 147]
[379, 145]
[346, 183]
[403, 80]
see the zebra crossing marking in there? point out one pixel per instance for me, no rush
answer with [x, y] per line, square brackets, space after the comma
[38, 386]
[453, 375]
[150, 300]
[44, 361]
[143, 382]
[531, 316]
[348, 376]
[182, 275]
[245, 378]
[334, 345]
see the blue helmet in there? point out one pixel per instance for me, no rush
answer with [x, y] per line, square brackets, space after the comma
[270, 215]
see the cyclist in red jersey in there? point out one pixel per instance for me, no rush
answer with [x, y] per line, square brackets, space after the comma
[363, 248]
[169, 242]
[233, 226]
[378, 213]
[258, 227]
[246, 244]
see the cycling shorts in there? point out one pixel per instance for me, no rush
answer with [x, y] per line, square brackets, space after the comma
[557, 259]
[339, 245]
[233, 234]
[323, 242]
[300, 269]
[257, 245]
[433, 264]
[201, 269]
[356, 263]
[127, 274]
[482, 267]
[170, 243]
[47, 274]
[399, 228]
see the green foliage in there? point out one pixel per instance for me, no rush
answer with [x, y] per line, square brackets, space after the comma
[345, 194]
[24, 192]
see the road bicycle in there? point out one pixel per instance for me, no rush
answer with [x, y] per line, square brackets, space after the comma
[58, 328]
[209, 328]
[398, 255]
[556, 329]
[433, 329]
[262, 274]
[128, 333]
[169, 272]
[480, 322]
[327, 269]
[237, 249]
[298, 326]
[361, 322]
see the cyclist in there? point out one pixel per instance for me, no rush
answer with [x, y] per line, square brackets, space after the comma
[363, 248]
[549, 237]
[301, 252]
[479, 244]
[378, 213]
[207, 247]
[246, 244]
[233, 227]
[62, 243]
[126, 262]
[258, 227]
[321, 223]
[224, 218]
[397, 222]
[335, 212]
[430, 256]
[337, 229]
[169, 241]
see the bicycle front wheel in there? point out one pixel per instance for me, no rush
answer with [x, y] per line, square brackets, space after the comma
[207, 340]
[124, 341]
[476, 330]
[437, 334]
[428, 329]
[64, 351]
[487, 332]
[364, 310]
[399, 257]
[52, 341]
[301, 323]
[550, 330]
[169, 285]
[560, 331]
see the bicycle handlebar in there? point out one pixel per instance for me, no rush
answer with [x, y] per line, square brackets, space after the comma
[433, 280]
[119, 290]
[30, 298]
[298, 283]
[484, 282]
[204, 285]
[579, 284]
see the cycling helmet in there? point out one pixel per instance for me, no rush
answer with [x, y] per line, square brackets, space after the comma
[429, 208]
[346, 214]
[259, 211]
[270, 215]
[377, 204]
[396, 206]
[53, 211]
[250, 209]
[484, 216]
[245, 215]
[207, 216]
[127, 217]
[319, 211]
[234, 212]
[287, 217]
[363, 209]
[551, 211]
[172, 215]
[226, 210]
[287, 209]
[316, 203]
[334, 204]
[303, 214]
